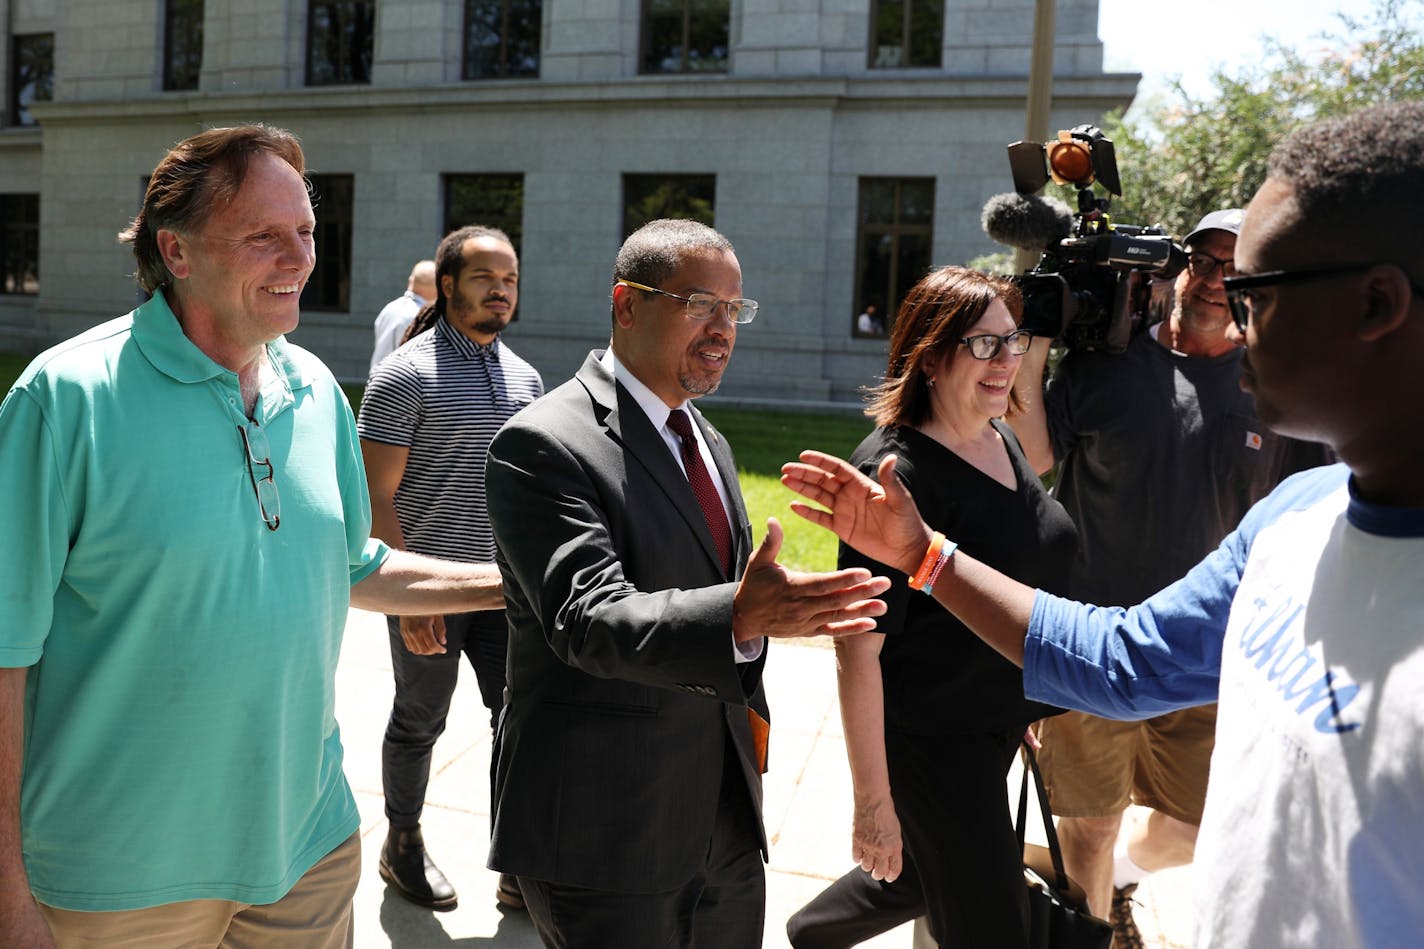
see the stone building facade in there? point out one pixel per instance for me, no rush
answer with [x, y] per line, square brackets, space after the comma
[843, 145]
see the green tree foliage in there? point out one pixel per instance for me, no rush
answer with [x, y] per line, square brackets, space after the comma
[1000, 262]
[651, 197]
[1187, 155]
[491, 200]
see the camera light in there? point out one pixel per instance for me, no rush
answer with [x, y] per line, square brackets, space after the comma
[1070, 161]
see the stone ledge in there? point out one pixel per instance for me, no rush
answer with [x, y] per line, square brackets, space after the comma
[646, 91]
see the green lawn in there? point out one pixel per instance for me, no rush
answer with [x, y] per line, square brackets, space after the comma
[354, 391]
[11, 365]
[762, 442]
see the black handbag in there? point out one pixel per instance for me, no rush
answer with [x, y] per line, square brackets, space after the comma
[1057, 907]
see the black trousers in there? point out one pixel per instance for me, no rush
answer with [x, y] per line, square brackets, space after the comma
[962, 866]
[424, 687]
[723, 906]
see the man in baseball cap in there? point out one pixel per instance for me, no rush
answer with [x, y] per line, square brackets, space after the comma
[1199, 319]
[1228, 220]
[1160, 454]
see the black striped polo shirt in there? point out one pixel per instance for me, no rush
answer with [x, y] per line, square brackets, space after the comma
[444, 396]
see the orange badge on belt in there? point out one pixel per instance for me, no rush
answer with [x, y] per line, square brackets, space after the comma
[761, 736]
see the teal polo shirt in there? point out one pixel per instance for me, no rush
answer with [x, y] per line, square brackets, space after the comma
[180, 736]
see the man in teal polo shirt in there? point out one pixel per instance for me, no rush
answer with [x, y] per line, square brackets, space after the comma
[188, 523]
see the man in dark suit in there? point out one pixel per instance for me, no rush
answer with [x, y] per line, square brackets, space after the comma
[631, 746]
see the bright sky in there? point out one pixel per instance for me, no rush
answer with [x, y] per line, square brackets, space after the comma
[1163, 40]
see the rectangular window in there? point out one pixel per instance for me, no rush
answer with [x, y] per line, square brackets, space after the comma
[340, 40]
[681, 36]
[502, 38]
[330, 285]
[894, 235]
[20, 242]
[906, 33]
[650, 197]
[182, 44]
[491, 200]
[31, 75]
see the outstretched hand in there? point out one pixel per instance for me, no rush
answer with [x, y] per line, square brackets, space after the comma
[879, 520]
[774, 601]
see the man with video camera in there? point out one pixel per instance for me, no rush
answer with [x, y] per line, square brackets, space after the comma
[1160, 454]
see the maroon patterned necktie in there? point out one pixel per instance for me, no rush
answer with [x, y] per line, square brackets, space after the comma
[703, 487]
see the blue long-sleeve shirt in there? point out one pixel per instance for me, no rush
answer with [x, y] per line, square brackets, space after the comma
[1307, 625]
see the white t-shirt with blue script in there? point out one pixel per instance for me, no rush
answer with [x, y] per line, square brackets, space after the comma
[1313, 833]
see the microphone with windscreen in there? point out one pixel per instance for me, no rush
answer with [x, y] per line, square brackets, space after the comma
[1026, 222]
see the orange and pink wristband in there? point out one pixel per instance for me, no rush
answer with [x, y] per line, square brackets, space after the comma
[938, 554]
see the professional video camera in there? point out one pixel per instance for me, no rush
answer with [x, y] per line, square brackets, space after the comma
[1088, 288]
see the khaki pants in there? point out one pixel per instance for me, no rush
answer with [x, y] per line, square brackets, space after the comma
[315, 914]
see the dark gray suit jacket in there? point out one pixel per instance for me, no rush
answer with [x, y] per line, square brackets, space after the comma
[622, 684]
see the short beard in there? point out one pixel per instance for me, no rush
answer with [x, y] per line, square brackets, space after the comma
[459, 304]
[1200, 319]
[699, 385]
[492, 326]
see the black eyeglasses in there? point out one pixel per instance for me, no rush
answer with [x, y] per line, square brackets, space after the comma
[1202, 264]
[1238, 289]
[702, 306]
[987, 345]
[254, 443]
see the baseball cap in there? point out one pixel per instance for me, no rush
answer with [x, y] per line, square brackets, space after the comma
[1228, 220]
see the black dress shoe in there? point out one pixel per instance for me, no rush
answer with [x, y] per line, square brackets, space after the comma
[508, 894]
[409, 870]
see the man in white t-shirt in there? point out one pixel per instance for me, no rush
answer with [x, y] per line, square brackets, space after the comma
[1305, 623]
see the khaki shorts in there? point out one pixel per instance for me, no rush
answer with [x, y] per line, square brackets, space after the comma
[1095, 767]
[315, 914]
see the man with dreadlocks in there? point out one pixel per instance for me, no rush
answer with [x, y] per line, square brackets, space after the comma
[429, 413]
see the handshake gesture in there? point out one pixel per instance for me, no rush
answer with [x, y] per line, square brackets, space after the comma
[879, 520]
[773, 601]
[882, 522]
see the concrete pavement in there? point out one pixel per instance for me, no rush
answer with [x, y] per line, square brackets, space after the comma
[807, 808]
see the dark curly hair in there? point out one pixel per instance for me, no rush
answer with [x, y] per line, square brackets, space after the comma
[1362, 174]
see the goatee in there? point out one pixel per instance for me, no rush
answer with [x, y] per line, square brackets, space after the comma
[700, 385]
[491, 326]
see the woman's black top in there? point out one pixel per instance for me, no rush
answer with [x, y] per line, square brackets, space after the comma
[939, 677]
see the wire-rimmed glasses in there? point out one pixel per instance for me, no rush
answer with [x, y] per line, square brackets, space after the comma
[259, 454]
[987, 345]
[702, 306]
